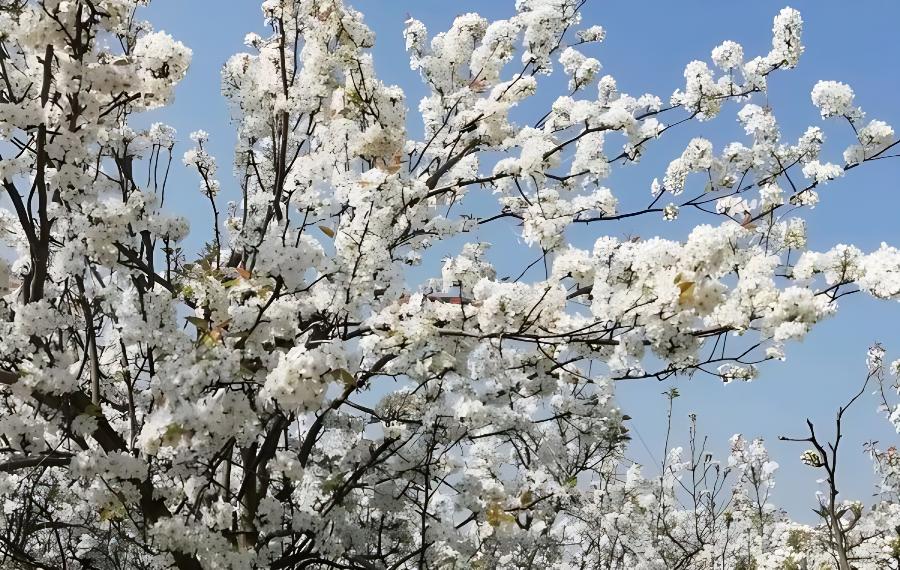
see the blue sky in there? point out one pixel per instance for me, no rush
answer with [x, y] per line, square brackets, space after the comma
[647, 46]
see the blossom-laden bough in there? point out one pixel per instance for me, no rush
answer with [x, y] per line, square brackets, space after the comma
[287, 401]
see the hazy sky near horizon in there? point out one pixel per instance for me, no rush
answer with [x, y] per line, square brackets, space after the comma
[647, 47]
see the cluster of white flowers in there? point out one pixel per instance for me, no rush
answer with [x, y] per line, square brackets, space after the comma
[462, 272]
[874, 138]
[594, 33]
[290, 263]
[580, 69]
[786, 43]
[93, 463]
[759, 123]
[834, 99]
[163, 62]
[697, 157]
[701, 93]
[205, 163]
[298, 381]
[821, 173]
[879, 272]
[729, 55]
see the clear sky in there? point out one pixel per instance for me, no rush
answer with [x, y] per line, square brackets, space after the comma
[647, 46]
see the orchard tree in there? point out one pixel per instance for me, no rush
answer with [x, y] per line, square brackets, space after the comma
[286, 400]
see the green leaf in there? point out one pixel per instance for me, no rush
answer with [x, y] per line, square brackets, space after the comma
[93, 409]
[343, 375]
[333, 483]
[201, 324]
[172, 434]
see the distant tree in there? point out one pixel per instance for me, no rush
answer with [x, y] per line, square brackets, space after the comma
[285, 400]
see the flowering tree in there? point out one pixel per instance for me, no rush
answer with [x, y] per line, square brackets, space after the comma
[285, 400]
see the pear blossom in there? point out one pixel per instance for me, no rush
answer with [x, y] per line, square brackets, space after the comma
[292, 394]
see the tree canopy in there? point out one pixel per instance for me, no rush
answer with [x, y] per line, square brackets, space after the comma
[285, 399]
